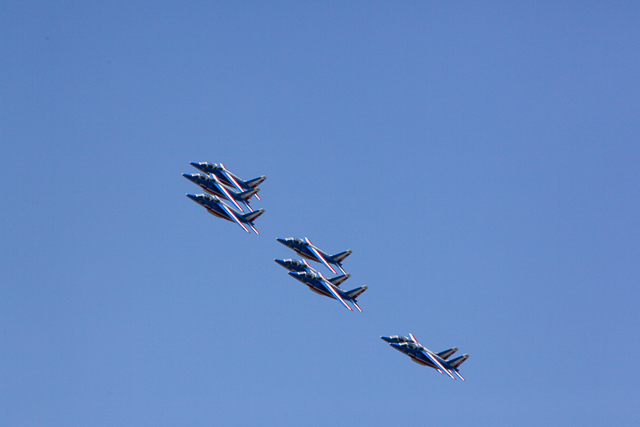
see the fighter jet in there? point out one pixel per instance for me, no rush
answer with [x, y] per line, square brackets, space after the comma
[212, 185]
[329, 287]
[305, 249]
[216, 207]
[423, 356]
[227, 178]
[294, 265]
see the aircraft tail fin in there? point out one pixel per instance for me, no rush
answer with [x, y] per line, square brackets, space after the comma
[246, 195]
[342, 255]
[356, 292]
[253, 183]
[447, 353]
[339, 279]
[458, 360]
[253, 215]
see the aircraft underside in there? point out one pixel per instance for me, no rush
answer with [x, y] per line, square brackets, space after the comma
[216, 213]
[318, 291]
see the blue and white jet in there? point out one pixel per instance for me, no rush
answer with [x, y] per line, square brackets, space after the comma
[227, 178]
[307, 250]
[294, 265]
[212, 185]
[217, 208]
[423, 356]
[327, 287]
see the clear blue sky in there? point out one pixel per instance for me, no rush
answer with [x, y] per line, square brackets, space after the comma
[482, 161]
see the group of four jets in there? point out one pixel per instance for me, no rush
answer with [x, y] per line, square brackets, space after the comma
[220, 183]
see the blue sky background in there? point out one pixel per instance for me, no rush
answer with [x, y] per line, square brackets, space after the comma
[482, 161]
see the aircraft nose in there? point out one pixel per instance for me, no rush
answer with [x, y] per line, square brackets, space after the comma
[281, 262]
[387, 339]
[192, 197]
[195, 165]
[188, 176]
[283, 241]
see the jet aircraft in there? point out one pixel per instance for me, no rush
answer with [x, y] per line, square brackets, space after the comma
[227, 178]
[212, 185]
[294, 265]
[306, 249]
[216, 207]
[329, 287]
[302, 266]
[423, 356]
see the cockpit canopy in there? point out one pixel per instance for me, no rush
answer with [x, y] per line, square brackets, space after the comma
[414, 346]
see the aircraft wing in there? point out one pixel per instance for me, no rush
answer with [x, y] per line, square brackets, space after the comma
[435, 361]
[328, 286]
[222, 188]
[254, 229]
[230, 177]
[455, 371]
[319, 256]
[233, 216]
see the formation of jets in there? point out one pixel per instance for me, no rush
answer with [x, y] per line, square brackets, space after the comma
[423, 356]
[220, 184]
[227, 177]
[212, 185]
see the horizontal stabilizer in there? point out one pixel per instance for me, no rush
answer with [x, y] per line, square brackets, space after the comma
[458, 360]
[339, 279]
[248, 194]
[253, 215]
[253, 183]
[356, 292]
[447, 353]
[342, 255]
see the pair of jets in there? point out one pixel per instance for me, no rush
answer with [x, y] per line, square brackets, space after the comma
[215, 180]
[315, 280]
[423, 356]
